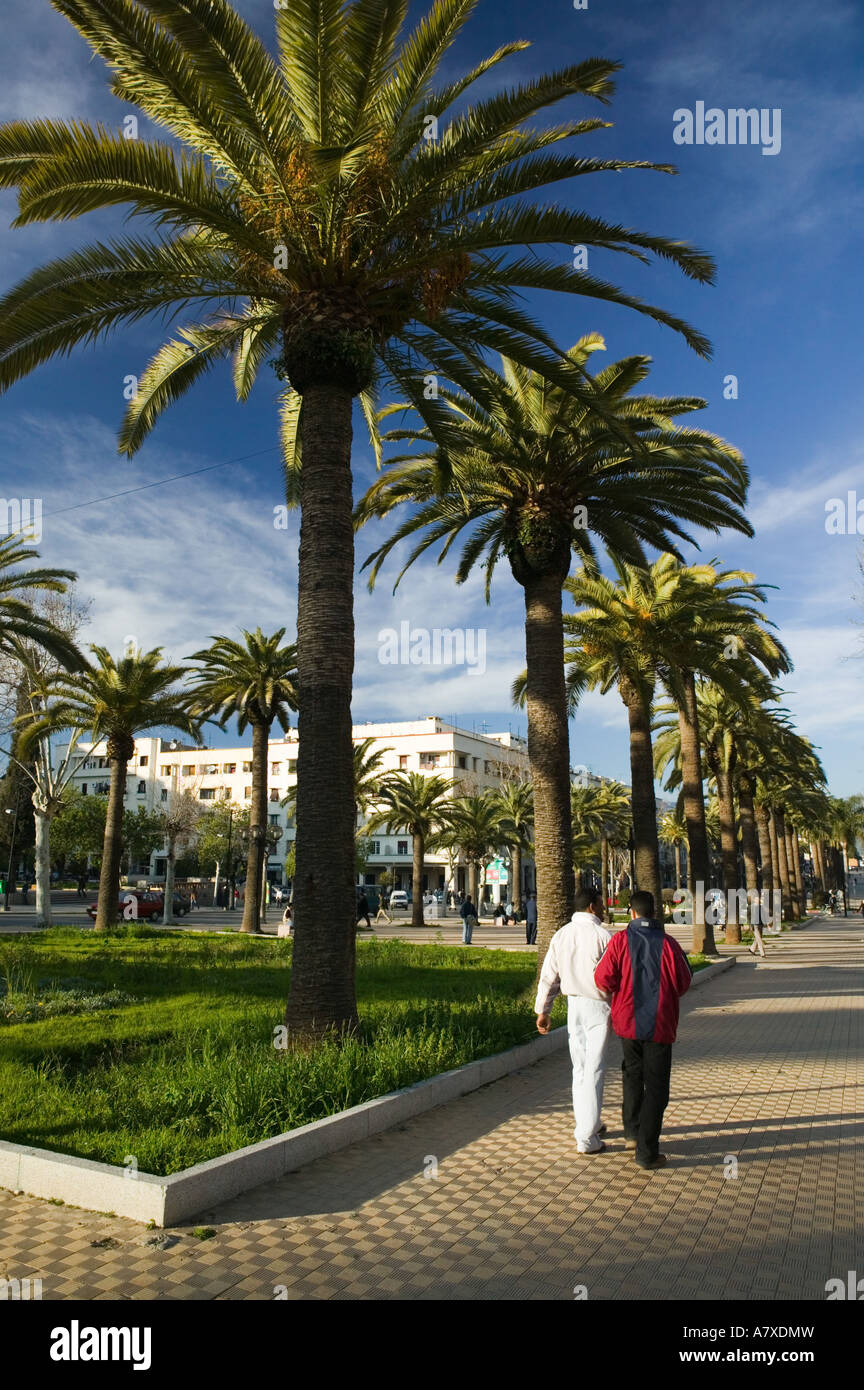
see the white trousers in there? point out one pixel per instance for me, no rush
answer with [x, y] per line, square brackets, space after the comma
[589, 1028]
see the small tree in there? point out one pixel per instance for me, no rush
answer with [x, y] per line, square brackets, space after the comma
[179, 820]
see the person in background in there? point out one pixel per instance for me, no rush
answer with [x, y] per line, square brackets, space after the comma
[645, 971]
[363, 910]
[531, 920]
[383, 905]
[568, 968]
[468, 913]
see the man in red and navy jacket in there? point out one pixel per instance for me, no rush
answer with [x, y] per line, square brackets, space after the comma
[646, 972]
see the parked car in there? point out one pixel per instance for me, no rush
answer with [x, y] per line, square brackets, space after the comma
[398, 898]
[148, 905]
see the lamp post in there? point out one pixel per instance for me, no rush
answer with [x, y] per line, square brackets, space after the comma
[229, 878]
[13, 812]
[271, 837]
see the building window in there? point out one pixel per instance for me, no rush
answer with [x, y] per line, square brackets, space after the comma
[274, 793]
[428, 760]
[292, 767]
[247, 792]
[84, 789]
[460, 761]
[188, 770]
[401, 846]
[142, 787]
[403, 759]
[163, 794]
[247, 767]
[166, 770]
[274, 820]
[101, 788]
[375, 847]
[143, 760]
[229, 768]
[211, 769]
[275, 769]
[207, 794]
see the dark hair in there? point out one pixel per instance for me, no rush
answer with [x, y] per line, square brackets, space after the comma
[585, 898]
[642, 904]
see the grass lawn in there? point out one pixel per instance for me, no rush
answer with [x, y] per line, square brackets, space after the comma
[179, 1063]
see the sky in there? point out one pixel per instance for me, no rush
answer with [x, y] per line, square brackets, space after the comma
[171, 564]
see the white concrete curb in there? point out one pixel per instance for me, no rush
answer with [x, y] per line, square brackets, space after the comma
[104, 1187]
[710, 972]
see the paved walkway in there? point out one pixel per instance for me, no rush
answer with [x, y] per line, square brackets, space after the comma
[768, 1082]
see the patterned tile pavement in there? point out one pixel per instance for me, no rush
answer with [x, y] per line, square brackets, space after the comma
[484, 1198]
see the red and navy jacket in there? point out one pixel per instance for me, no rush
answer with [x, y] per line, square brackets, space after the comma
[646, 972]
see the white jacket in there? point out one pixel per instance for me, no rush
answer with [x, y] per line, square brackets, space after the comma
[573, 953]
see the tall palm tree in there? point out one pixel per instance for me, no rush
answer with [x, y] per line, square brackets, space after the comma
[474, 823]
[416, 803]
[254, 681]
[524, 470]
[714, 627]
[515, 804]
[673, 832]
[310, 212]
[114, 700]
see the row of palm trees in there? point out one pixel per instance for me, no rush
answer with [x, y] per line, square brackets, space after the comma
[312, 213]
[115, 699]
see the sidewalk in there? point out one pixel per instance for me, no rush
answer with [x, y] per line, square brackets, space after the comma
[767, 1072]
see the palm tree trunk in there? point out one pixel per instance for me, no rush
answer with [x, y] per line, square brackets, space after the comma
[549, 756]
[693, 795]
[112, 845]
[419, 853]
[677, 865]
[775, 853]
[474, 883]
[749, 838]
[820, 855]
[763, 828]
[323, 993]
[257, 821]
[516, 886]
[799, 877]
[783, 864]
[604, 871]
[729, 848]
[794, 862]
[644, 804]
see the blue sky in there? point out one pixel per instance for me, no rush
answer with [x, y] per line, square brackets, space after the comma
[172, 564]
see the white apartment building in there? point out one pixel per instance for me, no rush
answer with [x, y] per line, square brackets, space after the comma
[473, 761]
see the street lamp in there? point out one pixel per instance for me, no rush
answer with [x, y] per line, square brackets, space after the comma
[272, 836]
[13, 812]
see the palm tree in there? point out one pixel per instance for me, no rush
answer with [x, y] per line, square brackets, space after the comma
[416, 803]
[528, 471]
[368, 775]
[515, 804]
[21, 627]
[115, 700]
[311, 212]
[474, 824]
[673, 832]
[255, 681]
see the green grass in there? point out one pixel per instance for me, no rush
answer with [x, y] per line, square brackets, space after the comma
[188, 1070]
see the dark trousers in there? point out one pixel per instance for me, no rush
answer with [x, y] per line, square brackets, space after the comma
[531, 934]
[645, 1068]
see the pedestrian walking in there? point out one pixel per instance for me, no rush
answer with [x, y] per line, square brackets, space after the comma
[468, 913]
[383, 905]
[568, 968]
[531, 920]
[645, 971]
[758, 947]
[363, 910]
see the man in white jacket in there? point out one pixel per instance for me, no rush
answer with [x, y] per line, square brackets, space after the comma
[573, 953]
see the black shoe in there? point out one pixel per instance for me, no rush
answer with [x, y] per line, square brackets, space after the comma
[603, 1129]
[659, 1162]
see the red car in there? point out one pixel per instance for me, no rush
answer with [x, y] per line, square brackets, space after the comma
[142, 904]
